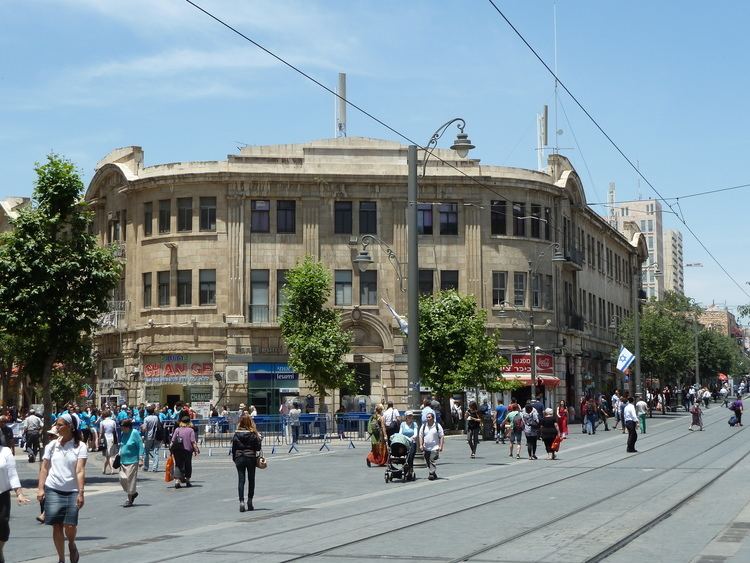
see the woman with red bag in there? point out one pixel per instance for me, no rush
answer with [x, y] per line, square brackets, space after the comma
[549, 431]
[562, 418]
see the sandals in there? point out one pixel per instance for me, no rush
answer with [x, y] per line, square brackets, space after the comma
[74, 555]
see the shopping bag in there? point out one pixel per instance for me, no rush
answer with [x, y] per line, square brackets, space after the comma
[169, 469]
[556, 443]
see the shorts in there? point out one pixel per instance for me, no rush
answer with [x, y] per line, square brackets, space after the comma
[515, 436]
[60, 507]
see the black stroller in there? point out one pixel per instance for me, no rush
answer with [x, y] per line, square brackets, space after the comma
[400, 459]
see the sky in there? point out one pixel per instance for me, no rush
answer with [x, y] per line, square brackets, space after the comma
[666, 81]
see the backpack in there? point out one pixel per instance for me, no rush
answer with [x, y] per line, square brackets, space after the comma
[732, 421]
[159, 433]
[518, 423]
[373, 428]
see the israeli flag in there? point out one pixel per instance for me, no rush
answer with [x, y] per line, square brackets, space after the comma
[624, 359]
[402, 322]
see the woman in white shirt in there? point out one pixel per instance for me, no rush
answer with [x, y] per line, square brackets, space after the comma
[108, 429]
[61, 483]
[8, 480]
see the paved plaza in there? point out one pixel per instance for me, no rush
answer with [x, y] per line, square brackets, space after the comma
[683, 497]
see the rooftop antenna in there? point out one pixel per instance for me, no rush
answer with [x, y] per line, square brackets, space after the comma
[638, 178]
[341, 107]
[611, 197]
[557, 131]
[542, 141]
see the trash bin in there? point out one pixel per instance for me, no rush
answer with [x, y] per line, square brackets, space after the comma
[488, 428]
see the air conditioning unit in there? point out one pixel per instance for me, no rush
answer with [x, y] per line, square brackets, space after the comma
[118, 373]
[235, 374]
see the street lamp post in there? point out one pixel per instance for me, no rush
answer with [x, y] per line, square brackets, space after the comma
[462, 145]
[636, 383]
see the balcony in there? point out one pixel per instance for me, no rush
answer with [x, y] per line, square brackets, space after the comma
[118, 250]
[574, 322]
[574, 259]
[114, 317]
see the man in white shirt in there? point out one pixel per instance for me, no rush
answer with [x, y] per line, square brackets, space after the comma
[630, 418]
[32, 429]
[431, 442]
[615, 402]
[641, 408]
[391, 419]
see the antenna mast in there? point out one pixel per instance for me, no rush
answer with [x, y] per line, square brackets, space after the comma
[341, 107]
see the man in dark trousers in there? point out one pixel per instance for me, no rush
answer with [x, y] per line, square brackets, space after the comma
[631, 421]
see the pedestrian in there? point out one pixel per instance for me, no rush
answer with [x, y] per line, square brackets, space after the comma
[603, 412]
[584, 410]
[152, 432]
[378, 454]
[530, 429]
[131, 458]
[246, 446]
[62, 480]
[501, 415]
[473, 423]
[640, 409]
[409, 428]
[516, 425]
[549, 430]
[8, 480]
[340, 422]
[724, 394]
[615, 402]
[6, 434]
[697, 419]
[108, 428]
[94, 421]
[391, 419]
[738, 408]
[562, 418]
[294, 413]
[427, 409]
[437, 408]
[456, 414]
[431, 443]
[592, 416]
[32, 430]
[624, 400]
[630, 418]
[183, 447]
[706, 396]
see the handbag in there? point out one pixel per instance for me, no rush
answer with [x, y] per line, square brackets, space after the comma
[556, 443]
[260, 461]
[169, 470]
[116, 463]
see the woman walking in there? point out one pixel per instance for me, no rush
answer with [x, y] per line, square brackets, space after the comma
[378, 450]
[8, 480]
[562, 418]
[184, 446]
[131, 458]
[246, 445]
[516, 425]
[549, 430]
[62, 480]
[409, 428]
[531, 429]
[473, 421]
[108, 428]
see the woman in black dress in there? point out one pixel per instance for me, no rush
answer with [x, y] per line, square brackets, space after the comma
[473, 421]
[549, 430]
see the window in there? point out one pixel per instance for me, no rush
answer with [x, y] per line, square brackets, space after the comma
[184, 214]
[162, 280]
[548, 295]
[499, 282]
[499, 217]
[536, 290]
[368, 218]
[425, 282]
[343, 289]
[148, 218]
[519, 224]
[424, 218]
[147, 290]
[207, 280]
[260, 221]
[548, 223]
[280, 292]
[165, 213]
[519, 289]
[286, 216]
[342, 217]
[448, 280]
[368, 287]
[536, 222]
[258, 296]
[449, 219]
[208, 214]
[184, 288]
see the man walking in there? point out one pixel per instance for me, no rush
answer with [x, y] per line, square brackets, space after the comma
[431, 442]
[153, 433]
[392, 420]
[32, 429]
[501, 413]
[631, 419]
[640, 409]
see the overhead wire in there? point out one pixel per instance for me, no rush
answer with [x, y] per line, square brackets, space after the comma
[616, 146]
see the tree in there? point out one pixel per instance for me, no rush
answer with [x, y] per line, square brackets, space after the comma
[312, 331]
[54, 278]
[455, 350]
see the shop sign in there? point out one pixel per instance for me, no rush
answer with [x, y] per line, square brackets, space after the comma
[200, 393]
[272, 372]
[521, 363]
[183, 369]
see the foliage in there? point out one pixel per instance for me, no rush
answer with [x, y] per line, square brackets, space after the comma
[54, 278]
[65, 386]
[456, 352]
[312, 331]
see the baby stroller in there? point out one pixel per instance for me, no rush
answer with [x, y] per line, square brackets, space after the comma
[400, 462]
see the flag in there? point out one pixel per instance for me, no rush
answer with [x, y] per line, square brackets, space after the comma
[624, 359]
[402, 323]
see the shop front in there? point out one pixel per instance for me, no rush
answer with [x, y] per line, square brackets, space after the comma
[519, 370]
[269, 385]
[169, 378]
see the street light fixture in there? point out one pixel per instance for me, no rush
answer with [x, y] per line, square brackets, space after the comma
[462, 145]
[364, 258]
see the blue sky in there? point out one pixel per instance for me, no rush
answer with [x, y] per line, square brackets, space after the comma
[666, 80]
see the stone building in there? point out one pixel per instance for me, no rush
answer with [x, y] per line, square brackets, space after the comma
[9, 209]
[206, 247]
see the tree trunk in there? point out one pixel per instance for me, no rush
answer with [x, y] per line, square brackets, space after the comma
[46, 390]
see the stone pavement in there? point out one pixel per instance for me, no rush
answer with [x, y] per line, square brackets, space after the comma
[680, 499]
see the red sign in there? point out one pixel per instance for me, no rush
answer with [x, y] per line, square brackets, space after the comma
[521, 363]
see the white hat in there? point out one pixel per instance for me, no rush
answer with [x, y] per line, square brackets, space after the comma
[409, 413]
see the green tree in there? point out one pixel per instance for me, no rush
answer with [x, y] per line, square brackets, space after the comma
[54, 278]
[456, 352]
[312, 331]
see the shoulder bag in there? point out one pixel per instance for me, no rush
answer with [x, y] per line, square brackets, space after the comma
[260, 460]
